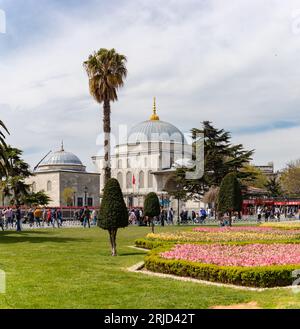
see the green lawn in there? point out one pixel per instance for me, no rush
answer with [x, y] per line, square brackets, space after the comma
[72, 268]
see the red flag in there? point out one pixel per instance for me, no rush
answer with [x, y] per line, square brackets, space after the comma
[133, 180]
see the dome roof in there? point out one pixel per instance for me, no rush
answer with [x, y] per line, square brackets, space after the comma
[61, 160]
[154, 131]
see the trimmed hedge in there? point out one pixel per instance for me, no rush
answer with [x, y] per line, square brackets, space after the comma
[149, 244]
[258, 276]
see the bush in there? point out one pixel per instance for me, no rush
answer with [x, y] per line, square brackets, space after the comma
[148, 244]
[113, 211]
[151, 207]
[263, 276]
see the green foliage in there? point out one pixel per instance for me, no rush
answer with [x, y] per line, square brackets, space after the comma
[255, 177]
[220, 158]
[273, 187]
[113, 211]
[230, 195]
[151, 205]
[38, 198]
[149, 244]
[68, 196]
[106, 70]
[258, 276]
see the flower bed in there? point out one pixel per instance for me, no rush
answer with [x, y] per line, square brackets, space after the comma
[252, 276]
[236, 255]
[291, 225]
[226, 235]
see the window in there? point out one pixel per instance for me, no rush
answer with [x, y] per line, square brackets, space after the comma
[120, 179]
[150, 179]
[141, 180]
[119, 164]
[34, 187]
[128, 163]
[129, 180]
[90, 202]
[79, 202]
[49, 186]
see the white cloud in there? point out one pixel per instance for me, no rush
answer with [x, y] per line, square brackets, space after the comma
[234, 63]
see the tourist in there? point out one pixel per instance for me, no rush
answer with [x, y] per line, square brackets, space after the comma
[137, 215]
[30, 216]
[18, 218]
[54, 218]
[86, 217]
[259, 211]
[194, 216]
[48, 217]
[203, 215]
[38, 216]
[59, 217]
[2, 219]
[132, 217]
[94, 217]
[170, 216]
[8, 214]
[44, 216]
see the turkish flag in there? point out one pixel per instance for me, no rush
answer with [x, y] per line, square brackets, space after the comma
[133, 180]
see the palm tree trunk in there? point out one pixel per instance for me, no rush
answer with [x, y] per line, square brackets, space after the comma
[107, 131]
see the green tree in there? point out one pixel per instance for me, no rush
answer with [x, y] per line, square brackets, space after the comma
[230, 196]
[17, 170]
[68, 196]
[255, 177]
[273, 187]
[113, 212]
[106, 70]
[3, 147]
[290, 179]
[151, 207]
[220, 158]
[39, 198]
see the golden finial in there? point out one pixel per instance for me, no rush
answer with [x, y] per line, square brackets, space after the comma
[154, 116]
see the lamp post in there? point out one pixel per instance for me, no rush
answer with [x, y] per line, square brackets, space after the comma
[85, 195]
[74, 199]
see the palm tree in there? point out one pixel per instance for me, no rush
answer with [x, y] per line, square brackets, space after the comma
[106, 70]
[3, 159]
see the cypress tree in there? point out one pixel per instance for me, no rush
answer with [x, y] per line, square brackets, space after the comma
[230, 195]
[151, 207]
[113, 211]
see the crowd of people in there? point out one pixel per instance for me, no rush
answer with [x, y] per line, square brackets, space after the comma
[11, 218]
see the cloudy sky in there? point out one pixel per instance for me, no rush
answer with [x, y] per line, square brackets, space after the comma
[235, 63]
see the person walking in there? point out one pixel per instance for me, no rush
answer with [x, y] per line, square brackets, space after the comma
[86, 217]
[54, 218]
[8, 213]
[18, 218]
[59, 217]
[94, 217]
[30, 215]
[37, 216]
[170, 216]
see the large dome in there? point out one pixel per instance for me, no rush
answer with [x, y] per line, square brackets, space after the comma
[61, 160]
[154, 131]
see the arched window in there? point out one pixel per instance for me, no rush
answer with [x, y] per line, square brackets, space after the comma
[129, 180]
[120, 179]
[34, 187]
[150, 179]
[49, 186]
[119, 164]
[141, 180]
[128, 163]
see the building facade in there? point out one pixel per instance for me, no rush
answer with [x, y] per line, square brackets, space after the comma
[145, 162]
[65, 179]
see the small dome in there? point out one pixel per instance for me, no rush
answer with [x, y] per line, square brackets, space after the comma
[154, 131]
[61, 160]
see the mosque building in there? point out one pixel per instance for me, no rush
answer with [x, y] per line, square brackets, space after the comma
[146, 161]
[63, 177]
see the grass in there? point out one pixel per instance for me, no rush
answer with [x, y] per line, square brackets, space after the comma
[72, 268]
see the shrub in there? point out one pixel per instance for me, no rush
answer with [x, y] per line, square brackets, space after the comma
[151, 207]
[113, 211]
[264, 276]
